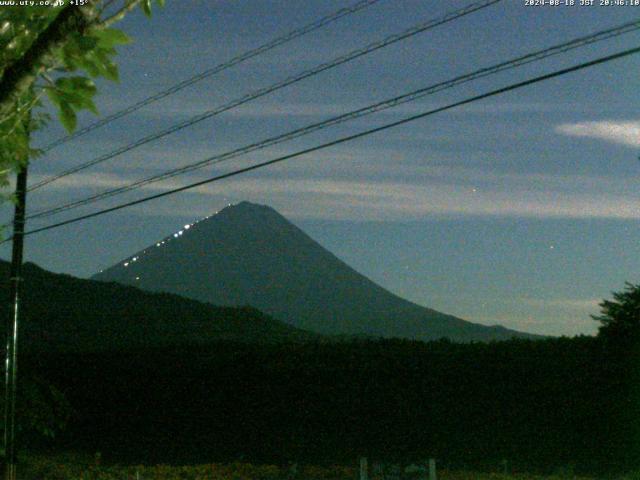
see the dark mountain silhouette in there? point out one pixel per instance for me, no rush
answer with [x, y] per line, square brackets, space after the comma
[249, 254]
[64, 313]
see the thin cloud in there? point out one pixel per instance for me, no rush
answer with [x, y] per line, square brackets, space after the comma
[353, 199]
[590, 304]
[618, 132]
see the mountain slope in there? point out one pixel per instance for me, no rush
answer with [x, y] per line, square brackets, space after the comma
[249, 254]
[64, 313]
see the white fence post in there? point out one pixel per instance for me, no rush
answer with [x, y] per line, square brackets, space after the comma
[432, 469]
[363, 468]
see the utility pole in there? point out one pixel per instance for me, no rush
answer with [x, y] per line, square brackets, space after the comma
[11, 362]
[15, 287]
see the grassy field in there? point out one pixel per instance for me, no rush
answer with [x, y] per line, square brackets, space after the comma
[42, 468]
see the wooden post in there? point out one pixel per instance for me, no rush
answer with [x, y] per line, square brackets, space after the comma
[432, 469]
[363, 468]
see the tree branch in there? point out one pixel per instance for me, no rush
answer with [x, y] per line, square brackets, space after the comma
[119, 15]
[19, 76]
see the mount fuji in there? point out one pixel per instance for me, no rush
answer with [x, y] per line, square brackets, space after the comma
[250, 255]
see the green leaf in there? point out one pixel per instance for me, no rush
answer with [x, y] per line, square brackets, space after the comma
[77, 92]
[86, 43]
[84, 84]
[78, 101]
[110, 37]
[94, 63]
[90, 65]
[68, 117]
[78, 84]
[54, 96]
[146, 7]
[111, 71]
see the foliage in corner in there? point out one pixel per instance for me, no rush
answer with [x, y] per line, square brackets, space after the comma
[57, 50]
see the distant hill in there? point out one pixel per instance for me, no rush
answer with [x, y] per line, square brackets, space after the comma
[63, 313]
[249, 254]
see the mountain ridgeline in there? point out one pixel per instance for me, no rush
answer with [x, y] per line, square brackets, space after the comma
[62, 313]
[249, 254]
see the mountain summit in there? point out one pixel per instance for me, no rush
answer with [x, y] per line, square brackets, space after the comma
[249, 254]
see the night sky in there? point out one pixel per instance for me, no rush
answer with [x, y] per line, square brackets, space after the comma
[520, 210]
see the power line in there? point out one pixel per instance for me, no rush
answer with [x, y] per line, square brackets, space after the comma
[322, 22]
[387, 126]
[383, 105]
[448, 17]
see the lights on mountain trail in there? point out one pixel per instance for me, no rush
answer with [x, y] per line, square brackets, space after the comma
[160, 243]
